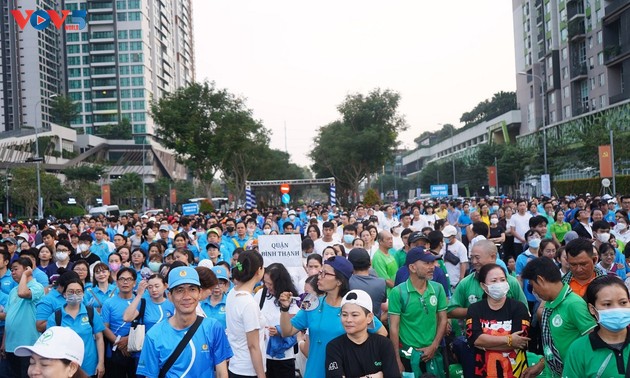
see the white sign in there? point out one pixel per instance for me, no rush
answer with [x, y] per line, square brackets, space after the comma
[283, 249]
[455, 190]
[545, 183]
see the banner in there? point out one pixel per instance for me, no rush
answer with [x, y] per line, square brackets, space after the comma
[492, 176]
[605, 162]
[106, 195]
[174, 196]
[283, 249]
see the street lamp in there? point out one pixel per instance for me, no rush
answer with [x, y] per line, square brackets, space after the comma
[8, 177]
[544, 129]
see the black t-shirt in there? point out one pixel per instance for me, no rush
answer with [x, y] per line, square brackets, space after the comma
[91, 259]
[481, 319]
[344, 358]
[496, 232]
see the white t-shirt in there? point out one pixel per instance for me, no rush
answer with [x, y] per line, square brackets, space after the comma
[320, 245]
[418, 225]
[271, 318]
[430, 219]
[458, 249]
[242, 315]
[520, 224]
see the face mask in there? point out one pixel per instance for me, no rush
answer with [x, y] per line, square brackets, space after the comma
[155, 266]
[267, 231]
[604, 238]
[494, 221]
[348, 239]
[534, 243]
[230, 229]
[621, 227]
[614, 319]
[495, 207]
[114, 267]
[73, 299]
[447, 241]
[498, 290]
[251, 229]
[292, 217]
[61, 256]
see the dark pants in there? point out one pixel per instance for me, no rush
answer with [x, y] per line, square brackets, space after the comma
[281, 368]
[18, 365]
[232, 375]
[465, 356]
[119, 366]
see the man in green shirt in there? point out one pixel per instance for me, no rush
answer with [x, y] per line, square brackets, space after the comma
[565, 316]
[401, 254]
[383, 262]
[418, 304]
[469, 291]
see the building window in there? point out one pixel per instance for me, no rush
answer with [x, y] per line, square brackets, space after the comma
[552, 116]
[564, 53]
[599, 37]
[134, 16]
[124, 81]
[565, 72]
[135, 34]
[122, 34]
[552, 98]
[567, 92]
[600, 58]
[602, 100]
[137, 81]
[567, 111]
[124, 70]
[602, 80]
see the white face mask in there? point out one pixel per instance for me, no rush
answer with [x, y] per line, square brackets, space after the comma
[498, 290]
[267, 231]
[61, 256]
[494, 221]
[604, 237]
[621, 227]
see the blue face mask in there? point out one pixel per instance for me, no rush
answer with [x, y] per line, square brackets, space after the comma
[348, 239]
[534, 243]
[155, 266]
[614, 319]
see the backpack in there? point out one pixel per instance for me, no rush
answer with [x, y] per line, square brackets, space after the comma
[90, 311]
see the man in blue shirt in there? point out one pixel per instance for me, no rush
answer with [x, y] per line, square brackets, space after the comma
[100, 247]
[207, 352]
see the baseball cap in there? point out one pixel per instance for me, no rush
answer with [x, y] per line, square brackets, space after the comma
[220, 272]
[212, 244]
[214, 230]
[569, 236]
[359, 258]
[449, 231]
[206, 263]
[291, 212]
[163, 228]
[10, 240]
[360, 298]
[415, 236]
[57, 343]
[169, 251]
[183, 275]
[419, 254]
[144, 217]
[340, 264]
[152, 219]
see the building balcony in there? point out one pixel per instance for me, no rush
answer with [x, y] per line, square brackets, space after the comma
[579, 71]
[577, 29]
[615, 9]
[580, 109]
[618, 98]
[614, 54]
[575, 10]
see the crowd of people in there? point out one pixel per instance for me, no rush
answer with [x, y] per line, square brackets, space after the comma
[494, 287]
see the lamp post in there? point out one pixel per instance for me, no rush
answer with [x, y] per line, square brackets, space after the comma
[453, 161]
[8, 177]
[544, 129]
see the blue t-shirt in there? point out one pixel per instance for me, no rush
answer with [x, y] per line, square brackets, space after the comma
[41, 277]
[112, 314]
[95, 297]
[101, 250]
[155, 313]
[323, 324]
[464, 220]
[216, 312]
[50, 303]
[20, 322]
[81, 325]
[4, 300]
[521, 261]
[7, 282]
[208, 348]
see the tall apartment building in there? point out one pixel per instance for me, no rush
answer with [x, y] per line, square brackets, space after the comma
[31, 67]
[131, 52]
[570, 57]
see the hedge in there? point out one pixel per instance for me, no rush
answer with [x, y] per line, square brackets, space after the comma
[592, 186]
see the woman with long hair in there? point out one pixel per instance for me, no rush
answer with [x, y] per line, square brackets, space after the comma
[245, 330]
[103, 287]
[280, 355]
[82, 268]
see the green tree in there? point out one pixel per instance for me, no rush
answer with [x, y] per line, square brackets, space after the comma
[195, 121]
[121, 130]
[81, 182]
[486, 110]
[127, 190]
[63, 110]
[23, 189]
[361, 142]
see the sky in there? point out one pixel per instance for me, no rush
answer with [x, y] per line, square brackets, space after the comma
[296, 61]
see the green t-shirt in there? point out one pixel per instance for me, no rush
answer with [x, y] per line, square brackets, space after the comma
[568, 321]
[400, 257]
[420, 312]
[560, 230]
[385, 266]
[469, 291]
[590, 356]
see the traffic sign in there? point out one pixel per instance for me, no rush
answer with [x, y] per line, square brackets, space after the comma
[286, 198]
[439, 190]
[284, 188]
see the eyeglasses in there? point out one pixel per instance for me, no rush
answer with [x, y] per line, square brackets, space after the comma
[125, 279]
[62, 250]
[323, 273]
[80, 269]
[74, 292]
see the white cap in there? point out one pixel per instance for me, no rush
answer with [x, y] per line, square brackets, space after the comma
[358, 297]
[152, 219]
[449, 231]
[206, 263]
[291, 212]
[144, 216]
[56, 343]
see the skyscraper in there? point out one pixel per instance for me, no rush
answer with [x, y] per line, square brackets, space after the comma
[560, 47]
[132, 51]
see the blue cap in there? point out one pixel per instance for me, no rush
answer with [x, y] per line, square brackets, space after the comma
[220, 272]
[183, 275]
[419, 253]
[341, 264]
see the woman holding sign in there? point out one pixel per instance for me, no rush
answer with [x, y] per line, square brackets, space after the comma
[323, 318]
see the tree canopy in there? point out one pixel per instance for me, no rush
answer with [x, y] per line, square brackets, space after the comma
[361, 141]
[63, 110]
[120, 130]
